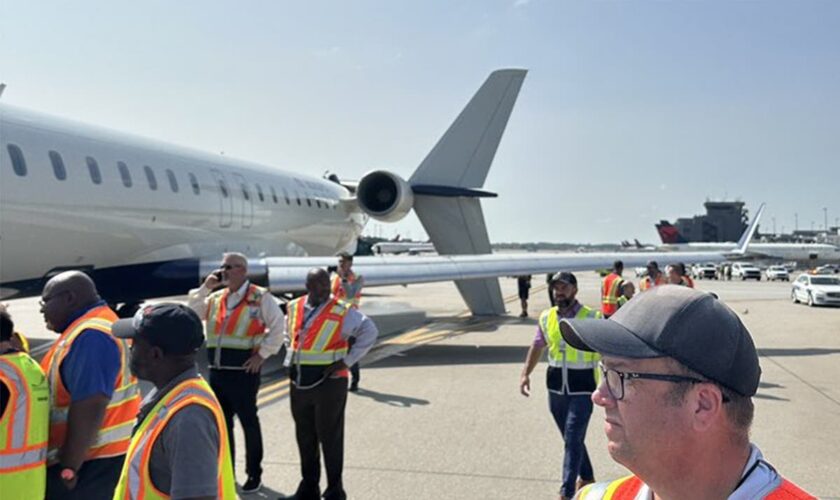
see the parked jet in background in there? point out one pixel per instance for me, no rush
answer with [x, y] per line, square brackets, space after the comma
[148, 219]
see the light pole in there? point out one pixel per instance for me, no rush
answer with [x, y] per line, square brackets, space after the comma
[774, 226]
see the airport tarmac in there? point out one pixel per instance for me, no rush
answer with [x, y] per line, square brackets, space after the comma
[439, 414]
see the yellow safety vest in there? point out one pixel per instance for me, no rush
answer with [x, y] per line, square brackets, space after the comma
[24, 428]
[135, 480]
[321, 343]
[561, 355]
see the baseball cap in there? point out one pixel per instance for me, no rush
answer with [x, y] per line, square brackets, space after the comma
[175, 328]
[691, 326]
[564, 277]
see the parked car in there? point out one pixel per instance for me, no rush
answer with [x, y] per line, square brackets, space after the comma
[827, 269]
[705, 271]
[816, 290]
[745, 270]
[774, 273]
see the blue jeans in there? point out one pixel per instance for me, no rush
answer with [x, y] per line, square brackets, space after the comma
[571, 413]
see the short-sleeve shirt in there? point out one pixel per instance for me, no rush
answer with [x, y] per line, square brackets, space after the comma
[92, 365]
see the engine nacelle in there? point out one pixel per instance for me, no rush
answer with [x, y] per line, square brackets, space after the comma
[384, 196]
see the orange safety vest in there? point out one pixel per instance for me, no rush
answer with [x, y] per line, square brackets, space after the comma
[627, 488]
[115, 432]
[239, 328]
[136, 481]
[610, 290]
[322, 343]
[645, 283]
[339, 291]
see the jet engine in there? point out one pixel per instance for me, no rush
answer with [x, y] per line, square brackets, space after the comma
[384, 196]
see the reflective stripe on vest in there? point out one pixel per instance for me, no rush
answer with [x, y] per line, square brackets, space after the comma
[240, 328]
[628, 488]
[609, 293]
[645, 283]
[322, 343]
[135, 479]
[560, 354]
[338, 290]
[115, 432]
[24, 425]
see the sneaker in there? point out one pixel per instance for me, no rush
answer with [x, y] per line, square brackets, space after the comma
[252, 485]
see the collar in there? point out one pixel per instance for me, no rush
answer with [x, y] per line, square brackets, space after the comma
[81, 312]
[241, 290]
[574, 310]
[156, 394]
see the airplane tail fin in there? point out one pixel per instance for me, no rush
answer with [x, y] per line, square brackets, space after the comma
[447, 184]
[638, 245]
[669, 234]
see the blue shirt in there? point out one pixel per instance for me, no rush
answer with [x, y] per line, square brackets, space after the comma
[93, 363]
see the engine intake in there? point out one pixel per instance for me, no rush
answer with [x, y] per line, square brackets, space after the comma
[384, 196]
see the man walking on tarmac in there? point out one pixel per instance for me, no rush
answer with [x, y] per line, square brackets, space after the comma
[244, 327]
[611, 289]
[319, 328]
[654, 277]
[348, 287]
[93, 396]
[679, 370]
[179, 448]
[570, 380]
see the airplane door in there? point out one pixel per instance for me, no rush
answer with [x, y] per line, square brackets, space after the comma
[225, 199]
[247, 201]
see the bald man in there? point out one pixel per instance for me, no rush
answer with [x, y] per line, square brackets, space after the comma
[93, 397]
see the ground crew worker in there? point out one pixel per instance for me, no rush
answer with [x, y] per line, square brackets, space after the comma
[244, 327]
[677, 276]
[681, 427]
[18, 340]
[94, 397]
[319, 327]
[523, 284]
[628, 290]
[179, 448]
[348, 287]
[686, 279]
[570, 380]
[654, 277]
[611, 289]
[24, 420]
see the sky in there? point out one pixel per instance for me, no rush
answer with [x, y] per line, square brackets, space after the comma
[631, 111]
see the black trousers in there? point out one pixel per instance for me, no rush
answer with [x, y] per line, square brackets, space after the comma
[237, 395]
[355, 374]
[97, 480]
[319, 425]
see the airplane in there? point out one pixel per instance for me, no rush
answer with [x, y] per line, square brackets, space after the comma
[672, 239]
[148, 219]
[398, 247]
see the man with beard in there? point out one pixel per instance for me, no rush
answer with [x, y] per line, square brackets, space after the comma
[570, 380]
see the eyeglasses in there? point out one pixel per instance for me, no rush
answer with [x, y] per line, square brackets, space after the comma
[615, 380]
[44, 300]
[228, 267]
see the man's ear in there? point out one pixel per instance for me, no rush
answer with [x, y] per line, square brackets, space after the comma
[707, 401]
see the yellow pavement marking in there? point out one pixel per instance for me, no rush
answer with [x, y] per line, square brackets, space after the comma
[419, 336]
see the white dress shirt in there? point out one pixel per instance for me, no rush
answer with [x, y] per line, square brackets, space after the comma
[272, 315]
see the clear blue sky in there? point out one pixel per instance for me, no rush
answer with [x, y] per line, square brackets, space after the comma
[631, 112]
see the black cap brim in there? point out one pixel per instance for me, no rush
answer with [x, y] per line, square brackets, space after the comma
[605, 337]
[124, 329]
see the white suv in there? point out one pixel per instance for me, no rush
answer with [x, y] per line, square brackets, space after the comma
[774, 273]
[745, 270]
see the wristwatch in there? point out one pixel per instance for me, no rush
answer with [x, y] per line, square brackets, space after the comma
[67, 474]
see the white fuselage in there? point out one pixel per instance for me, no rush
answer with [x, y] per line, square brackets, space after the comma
[51, 220]
[783, 251]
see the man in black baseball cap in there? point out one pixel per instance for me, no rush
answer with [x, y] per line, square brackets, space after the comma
[678, 373]
[185, 457]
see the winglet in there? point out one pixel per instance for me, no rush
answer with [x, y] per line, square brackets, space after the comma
[744, 242]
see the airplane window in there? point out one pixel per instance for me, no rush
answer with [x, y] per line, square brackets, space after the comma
[297, 195]
[124, 173]
[93, 167]
[245, 192]
[317, 202]
[308, 201]
[286, 196]
[273, 193]
[173, 182]
[58, 166]
[18, 163]
[259, 192]
[223, 188]
[194, 182]
[150, 176]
